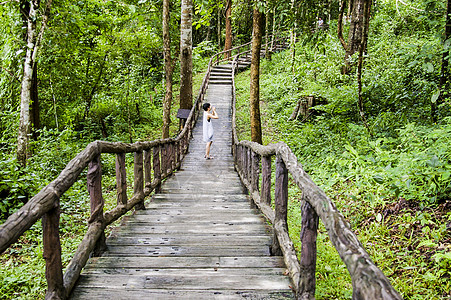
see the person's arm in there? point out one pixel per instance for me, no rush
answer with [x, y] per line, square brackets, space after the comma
[213, 114]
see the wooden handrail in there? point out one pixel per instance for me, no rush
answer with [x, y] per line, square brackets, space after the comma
[163, 156]
[368, 281]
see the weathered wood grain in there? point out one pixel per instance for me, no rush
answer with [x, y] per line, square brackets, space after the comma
[156, 167]
[138, 186]
[309, 232]
[147, 168]
[121, 179]
[52, 254]
[94, 182]
[266, 180]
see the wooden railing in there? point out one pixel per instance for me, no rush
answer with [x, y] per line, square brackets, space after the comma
[253, 159]
[244, 49]
[161, 156]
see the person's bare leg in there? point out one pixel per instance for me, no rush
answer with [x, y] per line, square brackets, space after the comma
[207, 150]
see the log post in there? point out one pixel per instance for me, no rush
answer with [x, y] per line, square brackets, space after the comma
[245, 163]
[163, 156]
[249, 165]
[281, 200]
[309, 231]
[266, 180]
[178, 147]
[52, 254]
[147, 168]
[138, 186]
[94, 178]
[156, 167]
[121, 179]
[255, 171]
[168, 147]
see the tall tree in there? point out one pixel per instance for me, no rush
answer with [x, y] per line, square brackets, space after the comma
[256, 128]
[362, 47]
[34, 40]
[228, 28]
[167, 69]
[444, 73]
[186, 55]
[356, 30]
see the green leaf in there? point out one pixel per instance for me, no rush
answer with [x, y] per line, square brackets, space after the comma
[378, 178]
[435, 96]
[434, 162]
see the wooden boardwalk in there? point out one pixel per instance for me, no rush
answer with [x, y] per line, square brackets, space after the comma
[199, 238]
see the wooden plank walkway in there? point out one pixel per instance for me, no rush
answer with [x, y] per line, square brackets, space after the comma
[199, 238]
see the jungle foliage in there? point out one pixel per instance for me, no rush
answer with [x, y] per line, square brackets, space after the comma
[392, 182]
[101, 76]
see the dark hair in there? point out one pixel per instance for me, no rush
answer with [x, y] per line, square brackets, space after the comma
[206, 106]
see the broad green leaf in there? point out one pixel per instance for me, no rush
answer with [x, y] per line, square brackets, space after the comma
[435, 96]
[378, 178]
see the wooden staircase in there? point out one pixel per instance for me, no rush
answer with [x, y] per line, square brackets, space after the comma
[199, 238]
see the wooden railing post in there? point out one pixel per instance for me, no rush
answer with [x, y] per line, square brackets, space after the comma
[255, 169]
[121, 179]
[266, 180]
[138, 186]
[52, 254]
[163, 157]
[249, 165]
[281, 200]
[94, 178]
[147, 168]
[178, 149]
[156, 167]
[309, 231]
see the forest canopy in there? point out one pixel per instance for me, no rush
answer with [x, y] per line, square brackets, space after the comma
[376, 139]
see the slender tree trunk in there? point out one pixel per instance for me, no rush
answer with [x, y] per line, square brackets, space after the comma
[362, 48]
[33, 44]
[186, 55]
[444, 73]
[273, 26]
[293, 35]
[267, 16]
[228, 28]
[356, 31]
[35, 111]
[256, 130]
[168, 69]
[219, 27]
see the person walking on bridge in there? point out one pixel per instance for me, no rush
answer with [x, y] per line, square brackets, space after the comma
[209, 113]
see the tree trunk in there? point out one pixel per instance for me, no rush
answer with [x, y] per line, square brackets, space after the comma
[267, 16]
[33, 44]
[444, 74]
[186, 55]
[35, 111]
[228, 28]
[168, 69]
[356, 32]
[293, 35]
[256, 130]
[362, 47]
[219, 27]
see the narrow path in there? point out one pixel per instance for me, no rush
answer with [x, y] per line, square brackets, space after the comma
[199, 238]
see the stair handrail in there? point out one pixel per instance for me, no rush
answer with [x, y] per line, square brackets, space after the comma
[251, 158]
[162, 156]
[215, 59]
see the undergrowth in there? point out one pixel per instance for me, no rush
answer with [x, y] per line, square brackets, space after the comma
[22, 275]
[393, 186]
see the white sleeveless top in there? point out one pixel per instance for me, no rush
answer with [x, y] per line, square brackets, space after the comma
[207, 129]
